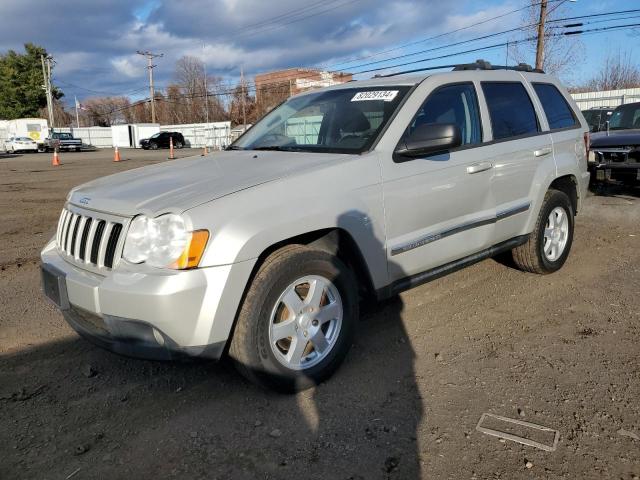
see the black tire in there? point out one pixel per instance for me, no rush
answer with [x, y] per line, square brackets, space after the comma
[153, 146]
[179, 145]
[250, 348]
[530, 256]
[78, 149]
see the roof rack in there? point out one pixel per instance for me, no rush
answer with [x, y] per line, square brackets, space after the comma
[477, 65]
[484, 65]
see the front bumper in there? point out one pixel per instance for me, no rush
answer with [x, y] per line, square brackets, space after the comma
[160, 315]
[615, 171]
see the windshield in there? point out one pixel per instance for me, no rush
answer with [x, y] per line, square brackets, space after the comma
[626, 116]
[155, 135]
[62, 136]
[335, 121]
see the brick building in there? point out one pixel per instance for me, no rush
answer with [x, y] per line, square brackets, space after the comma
[274, 87]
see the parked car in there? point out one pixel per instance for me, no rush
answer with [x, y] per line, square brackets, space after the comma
[597, 118]
[20, 144]
[266, 250]
[63, 140]
[615, 153]
[161, 140]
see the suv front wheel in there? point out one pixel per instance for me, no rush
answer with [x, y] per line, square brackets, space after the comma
[297, 321]
[550, 242]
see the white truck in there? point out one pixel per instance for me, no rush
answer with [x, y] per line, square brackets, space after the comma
[35, 128]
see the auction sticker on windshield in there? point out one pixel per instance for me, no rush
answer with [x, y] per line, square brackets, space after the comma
[385, 95]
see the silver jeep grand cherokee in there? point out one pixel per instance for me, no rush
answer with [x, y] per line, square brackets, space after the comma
[361, 190]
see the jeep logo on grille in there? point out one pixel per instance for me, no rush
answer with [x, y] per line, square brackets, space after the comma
[85, 200]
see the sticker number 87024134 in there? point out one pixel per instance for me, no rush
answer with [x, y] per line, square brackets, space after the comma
[384, 95]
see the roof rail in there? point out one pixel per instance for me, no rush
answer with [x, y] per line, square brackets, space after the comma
[477, 65]
[484, 65]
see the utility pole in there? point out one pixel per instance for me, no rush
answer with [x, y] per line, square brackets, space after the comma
[46, 75]
[77, 116]
[206, 91]
[540, 45]
[150, 66]
[244, 112]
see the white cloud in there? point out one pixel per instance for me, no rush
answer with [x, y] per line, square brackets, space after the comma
[126, 66]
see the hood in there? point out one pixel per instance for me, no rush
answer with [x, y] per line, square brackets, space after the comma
[616, 138]
[178, 185]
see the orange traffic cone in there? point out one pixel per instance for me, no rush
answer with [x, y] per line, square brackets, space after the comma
[56, 158]
[171, 157]
[116, 155]
[205, 151]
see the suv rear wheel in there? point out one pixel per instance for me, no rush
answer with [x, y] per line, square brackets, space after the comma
[297, 321]
[550, 242]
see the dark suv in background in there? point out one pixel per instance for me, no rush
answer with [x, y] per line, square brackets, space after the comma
[615, 153]
[161, 140]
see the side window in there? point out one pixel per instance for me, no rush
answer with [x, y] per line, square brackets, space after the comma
[455, 104]
[556, 108]
[510, 108]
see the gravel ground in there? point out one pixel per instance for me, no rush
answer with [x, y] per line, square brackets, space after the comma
[559, 351]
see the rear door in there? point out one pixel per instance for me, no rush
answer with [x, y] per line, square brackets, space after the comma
[569, 147]
[520, 148]
[439, 208]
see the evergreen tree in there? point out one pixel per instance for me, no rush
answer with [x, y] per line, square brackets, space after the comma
[21, 80]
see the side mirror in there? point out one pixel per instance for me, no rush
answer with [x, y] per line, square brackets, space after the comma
[430, 138]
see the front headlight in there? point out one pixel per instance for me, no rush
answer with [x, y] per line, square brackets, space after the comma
[592, 156]
[164, 242]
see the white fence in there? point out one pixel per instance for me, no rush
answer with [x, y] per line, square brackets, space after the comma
[607, 98]
[216, 135]
[99, 137]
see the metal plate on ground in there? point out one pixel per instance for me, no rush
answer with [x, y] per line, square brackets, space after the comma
[503, 427]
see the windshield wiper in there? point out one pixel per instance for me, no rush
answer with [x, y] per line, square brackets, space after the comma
[277, 148]
[234, 147]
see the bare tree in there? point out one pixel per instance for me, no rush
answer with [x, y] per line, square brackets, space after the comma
[242, 104]
[561, 52]
[107, 111]
[618, 71]
[195, 92]
[61, 117]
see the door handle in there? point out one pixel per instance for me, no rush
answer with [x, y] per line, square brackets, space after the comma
[543, 152]
[479, 167]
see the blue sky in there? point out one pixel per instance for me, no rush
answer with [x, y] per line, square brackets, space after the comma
[94, 42]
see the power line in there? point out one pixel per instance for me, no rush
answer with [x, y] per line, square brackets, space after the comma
[440, 35]
[422, 60]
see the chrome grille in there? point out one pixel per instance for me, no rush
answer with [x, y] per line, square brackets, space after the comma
[89, 240]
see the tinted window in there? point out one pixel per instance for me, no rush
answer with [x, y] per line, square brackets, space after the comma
[556, 108]
[510, 108]
[626, 116]
[455, 104]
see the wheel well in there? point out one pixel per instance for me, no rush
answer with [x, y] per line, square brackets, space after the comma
[335, 241]
[567, 185]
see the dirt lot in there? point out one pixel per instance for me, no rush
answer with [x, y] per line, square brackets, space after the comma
[561, 351]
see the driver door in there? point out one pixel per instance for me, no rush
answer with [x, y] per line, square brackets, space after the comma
[439, 208]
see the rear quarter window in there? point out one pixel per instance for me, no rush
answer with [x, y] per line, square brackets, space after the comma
[510, 109]
[559, 113]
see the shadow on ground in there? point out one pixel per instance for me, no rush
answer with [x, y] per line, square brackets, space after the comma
[69, 405]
